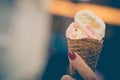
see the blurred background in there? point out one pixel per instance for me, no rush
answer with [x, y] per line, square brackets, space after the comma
[32, 38]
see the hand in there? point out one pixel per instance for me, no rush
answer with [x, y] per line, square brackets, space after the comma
[78, 63]
[67, 77]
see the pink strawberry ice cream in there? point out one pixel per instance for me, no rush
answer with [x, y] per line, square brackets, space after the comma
[74, 33]
[86, 25]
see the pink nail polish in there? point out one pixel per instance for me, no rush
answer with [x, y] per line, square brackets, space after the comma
[71, 55]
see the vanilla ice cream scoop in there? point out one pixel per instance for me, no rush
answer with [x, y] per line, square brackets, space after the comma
[86, 25]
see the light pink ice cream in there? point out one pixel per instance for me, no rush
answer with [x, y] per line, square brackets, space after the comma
[86, 25]
[74, 33]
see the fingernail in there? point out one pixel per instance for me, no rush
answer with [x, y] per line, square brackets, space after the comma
[71, 55]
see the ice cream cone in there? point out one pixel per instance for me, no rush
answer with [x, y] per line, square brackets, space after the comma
[88, 49]
[84, 37]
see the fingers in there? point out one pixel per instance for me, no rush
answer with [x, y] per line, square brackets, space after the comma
[82, 68]
[67, 77]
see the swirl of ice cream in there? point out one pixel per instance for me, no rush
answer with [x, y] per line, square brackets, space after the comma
[86, 25]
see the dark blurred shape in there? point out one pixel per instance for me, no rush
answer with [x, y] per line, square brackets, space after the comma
[111, 3]
[56, 68]
[109, 59]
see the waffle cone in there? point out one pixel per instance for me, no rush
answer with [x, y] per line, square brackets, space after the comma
[88, 49]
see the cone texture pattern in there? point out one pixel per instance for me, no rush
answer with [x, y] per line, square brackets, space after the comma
[88, 49]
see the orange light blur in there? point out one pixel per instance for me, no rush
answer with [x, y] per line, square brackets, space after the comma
[66, 8]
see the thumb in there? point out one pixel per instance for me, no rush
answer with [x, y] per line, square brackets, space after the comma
[67, 77]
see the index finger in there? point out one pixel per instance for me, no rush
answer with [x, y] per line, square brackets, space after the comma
[83, 69]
